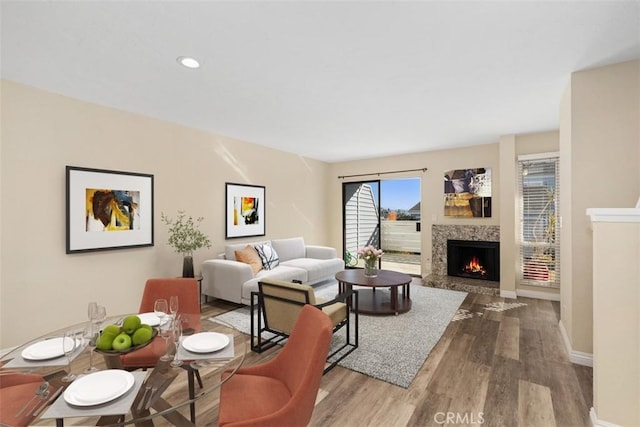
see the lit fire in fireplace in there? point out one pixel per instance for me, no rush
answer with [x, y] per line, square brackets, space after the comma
[474, 267]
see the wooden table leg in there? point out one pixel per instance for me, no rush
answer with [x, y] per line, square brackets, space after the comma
[394, 299]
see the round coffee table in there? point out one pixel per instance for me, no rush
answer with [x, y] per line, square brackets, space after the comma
[383, 296]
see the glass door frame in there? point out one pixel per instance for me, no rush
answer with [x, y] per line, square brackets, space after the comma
[376, 231]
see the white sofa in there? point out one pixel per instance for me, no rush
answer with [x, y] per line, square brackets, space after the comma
[231, 280]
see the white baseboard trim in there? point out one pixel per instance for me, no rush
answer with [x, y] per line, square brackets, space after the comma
[577, 357]
[538, 295]
[508, 294]
[595, 422]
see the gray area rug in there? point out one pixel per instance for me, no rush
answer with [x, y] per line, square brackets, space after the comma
[391, 348]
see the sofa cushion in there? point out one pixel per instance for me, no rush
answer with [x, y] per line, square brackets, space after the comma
[229, 250]
[268, 256]
[289, 248]
[250, 256]
[316, 268]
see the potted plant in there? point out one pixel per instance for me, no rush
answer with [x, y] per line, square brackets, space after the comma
[185, 237]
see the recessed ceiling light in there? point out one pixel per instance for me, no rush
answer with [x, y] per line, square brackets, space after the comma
[188, 62]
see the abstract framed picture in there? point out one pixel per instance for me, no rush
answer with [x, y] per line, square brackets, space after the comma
[108, 209]
[467, 193]
[244, 210]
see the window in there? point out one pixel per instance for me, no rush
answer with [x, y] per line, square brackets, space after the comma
[539, 189]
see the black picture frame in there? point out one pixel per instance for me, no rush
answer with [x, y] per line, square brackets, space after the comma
[244, 210]
[107, 209]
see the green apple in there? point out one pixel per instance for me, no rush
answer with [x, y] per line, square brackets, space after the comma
[144, 325]
[130, 324]
[121, 342]
[105, 342]
[141, 336]
[111, 330]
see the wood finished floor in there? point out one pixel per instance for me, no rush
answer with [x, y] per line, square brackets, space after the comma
[500, 368]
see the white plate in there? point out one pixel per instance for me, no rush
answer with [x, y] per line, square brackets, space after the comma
[99, 387]
[151, 319]
[205, 342]
[43, 350]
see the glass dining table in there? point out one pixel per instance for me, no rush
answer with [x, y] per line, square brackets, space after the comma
[162, 395]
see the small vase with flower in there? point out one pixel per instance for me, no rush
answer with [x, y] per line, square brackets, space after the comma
[370, 255]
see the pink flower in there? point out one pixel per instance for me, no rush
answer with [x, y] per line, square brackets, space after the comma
[370, 253]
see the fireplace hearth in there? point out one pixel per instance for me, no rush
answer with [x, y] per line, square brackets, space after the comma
[473, 259]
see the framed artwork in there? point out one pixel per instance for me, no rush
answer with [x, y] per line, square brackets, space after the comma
[108, 209]
[467, 193]
[244, 210]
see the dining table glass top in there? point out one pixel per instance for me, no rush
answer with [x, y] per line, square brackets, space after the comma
[112, 395]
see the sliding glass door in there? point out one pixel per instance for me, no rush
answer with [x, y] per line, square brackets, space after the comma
[384, 214]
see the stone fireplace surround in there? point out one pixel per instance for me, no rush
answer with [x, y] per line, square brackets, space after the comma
[438, 278]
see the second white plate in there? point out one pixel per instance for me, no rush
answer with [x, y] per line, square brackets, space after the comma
[43, 350]
[151, 319]
[99, 387]
[205, 342]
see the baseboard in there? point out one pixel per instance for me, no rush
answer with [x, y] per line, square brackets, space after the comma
[577, 357]
[508, 294]
[538, 295]
[595, 422]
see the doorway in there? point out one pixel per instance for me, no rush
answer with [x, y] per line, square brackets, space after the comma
[384, 214]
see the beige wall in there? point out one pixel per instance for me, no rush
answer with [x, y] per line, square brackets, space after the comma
[566, 229]
[42, 287]
[508, 223]
[600, 152]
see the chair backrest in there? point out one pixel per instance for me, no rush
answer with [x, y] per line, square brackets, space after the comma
[303, 358]
[16, 390]
[282, 302]
[186, 289]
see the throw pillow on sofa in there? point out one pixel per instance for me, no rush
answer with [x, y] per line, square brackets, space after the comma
[268, 256]
[250, 256]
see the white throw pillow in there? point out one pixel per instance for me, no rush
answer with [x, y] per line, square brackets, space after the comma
[268, 256]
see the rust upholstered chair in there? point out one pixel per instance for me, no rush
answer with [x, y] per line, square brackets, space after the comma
[16, 390]
[186, 289]
[282, 391]
[278, 304]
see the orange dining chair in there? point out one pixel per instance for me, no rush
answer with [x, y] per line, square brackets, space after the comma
[186, 289]
[16, 391]
[282, 391]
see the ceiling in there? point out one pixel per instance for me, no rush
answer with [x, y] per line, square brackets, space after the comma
[329, 80]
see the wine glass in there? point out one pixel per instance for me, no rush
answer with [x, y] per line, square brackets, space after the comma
[100, 316]
[69, 345]
[165, 333]
[173, 306]
[160, 308]
[91, 310]
[91, 333]
[177, 334]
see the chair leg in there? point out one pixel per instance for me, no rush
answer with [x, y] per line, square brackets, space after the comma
[192, 394]
[348, 344]
[199, 378]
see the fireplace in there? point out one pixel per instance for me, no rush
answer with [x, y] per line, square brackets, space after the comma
[473, 259]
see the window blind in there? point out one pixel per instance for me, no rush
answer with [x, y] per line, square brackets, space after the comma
[539, 189]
